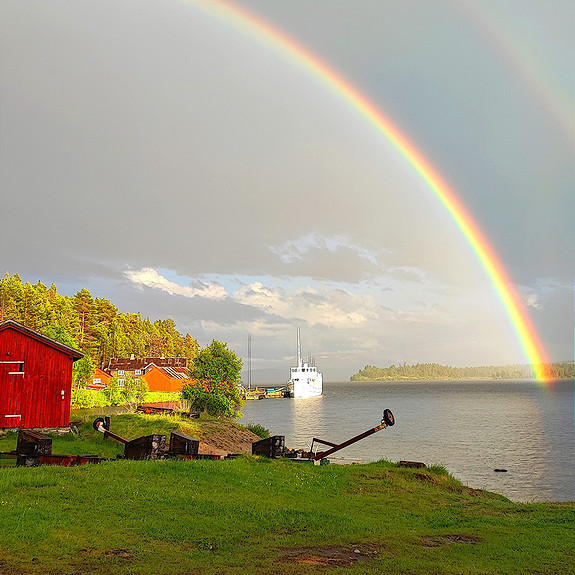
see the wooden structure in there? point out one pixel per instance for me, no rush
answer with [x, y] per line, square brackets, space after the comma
[272, 447]
[165, 378]
[35, 378]
[100, 379]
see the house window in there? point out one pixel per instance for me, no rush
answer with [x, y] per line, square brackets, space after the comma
[138, 372]
[120, 372]
[121, 382]
[19, 368]
[97, 380]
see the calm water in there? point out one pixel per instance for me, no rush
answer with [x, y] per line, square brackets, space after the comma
[471, 428]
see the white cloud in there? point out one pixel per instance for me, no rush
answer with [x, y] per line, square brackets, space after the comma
[296, 249]
[532, 300]
[332, 308]
[149, 277]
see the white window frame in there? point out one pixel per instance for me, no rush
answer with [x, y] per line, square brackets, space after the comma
[20, 367]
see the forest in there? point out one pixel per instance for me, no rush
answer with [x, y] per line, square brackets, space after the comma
[92, 325]
[434, 371]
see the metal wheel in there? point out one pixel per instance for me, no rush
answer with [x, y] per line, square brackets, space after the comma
[388, 418]
[97, 422]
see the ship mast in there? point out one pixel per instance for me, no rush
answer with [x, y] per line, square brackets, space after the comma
[299, 363]
[249, 360]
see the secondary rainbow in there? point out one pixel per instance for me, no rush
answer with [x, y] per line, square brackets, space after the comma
[268, 35]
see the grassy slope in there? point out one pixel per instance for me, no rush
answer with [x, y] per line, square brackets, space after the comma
[250, 516]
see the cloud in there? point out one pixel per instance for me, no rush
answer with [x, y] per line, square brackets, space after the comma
[296, 249]
[532, 300]
[149, 277]
[332, 308]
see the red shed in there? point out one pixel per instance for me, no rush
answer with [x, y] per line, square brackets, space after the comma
[35, 378]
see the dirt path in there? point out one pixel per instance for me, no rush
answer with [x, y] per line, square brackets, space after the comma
[221, 438]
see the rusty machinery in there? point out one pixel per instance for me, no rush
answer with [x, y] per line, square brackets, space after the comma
[274, 447]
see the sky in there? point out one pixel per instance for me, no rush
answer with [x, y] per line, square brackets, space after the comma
[168, 159]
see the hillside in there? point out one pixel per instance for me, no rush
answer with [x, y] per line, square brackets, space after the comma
[434, 371]
[93, 325]
[253, 516]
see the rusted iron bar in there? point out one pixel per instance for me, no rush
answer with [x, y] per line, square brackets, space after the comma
[387, 421]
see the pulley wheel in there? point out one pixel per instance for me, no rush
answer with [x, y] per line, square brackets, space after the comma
[388, 418]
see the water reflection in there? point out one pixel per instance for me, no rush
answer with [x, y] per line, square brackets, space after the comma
[471, 428]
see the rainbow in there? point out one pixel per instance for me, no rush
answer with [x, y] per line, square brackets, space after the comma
[523, 57]
[276, 40]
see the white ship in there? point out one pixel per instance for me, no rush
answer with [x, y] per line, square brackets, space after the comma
[306, 380]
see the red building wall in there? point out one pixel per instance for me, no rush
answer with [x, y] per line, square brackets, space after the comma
[38, 384]
[157, 380]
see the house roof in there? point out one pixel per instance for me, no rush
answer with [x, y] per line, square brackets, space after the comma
[10, 323]
[130, 364]
[171, 372]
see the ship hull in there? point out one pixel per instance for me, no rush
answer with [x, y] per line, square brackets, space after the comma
[302, 386]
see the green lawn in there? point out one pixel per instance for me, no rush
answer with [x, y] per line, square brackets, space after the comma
[256, 516]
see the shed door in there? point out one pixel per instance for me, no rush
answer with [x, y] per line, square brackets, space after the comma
[11, 385]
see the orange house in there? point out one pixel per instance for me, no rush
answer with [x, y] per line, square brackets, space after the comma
[165, 378]
[100, 379]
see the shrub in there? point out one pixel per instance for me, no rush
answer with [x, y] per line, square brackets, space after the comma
[126, 389]
[86, 398]
[259, 430]
[217, 398]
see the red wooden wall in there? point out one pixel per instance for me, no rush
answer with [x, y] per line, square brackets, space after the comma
[34, 394]
[157, 380]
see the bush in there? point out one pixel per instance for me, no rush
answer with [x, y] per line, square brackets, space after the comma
[259, 430]
[217, 398]
[126, 389]
[86, 398]
[213, 389]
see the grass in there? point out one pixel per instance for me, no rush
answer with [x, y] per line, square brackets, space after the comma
[251, 515]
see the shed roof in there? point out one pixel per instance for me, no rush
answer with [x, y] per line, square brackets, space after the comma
[10, 323]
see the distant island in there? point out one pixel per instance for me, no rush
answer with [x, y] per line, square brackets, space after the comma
[435, 371]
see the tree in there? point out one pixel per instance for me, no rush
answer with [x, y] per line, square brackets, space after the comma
[216, 363]
[59, 333]
[126, 389]
[213, 388]
[82, 372]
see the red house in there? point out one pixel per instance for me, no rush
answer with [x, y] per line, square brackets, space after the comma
[35, 378]
[100, 379]
[165, 378]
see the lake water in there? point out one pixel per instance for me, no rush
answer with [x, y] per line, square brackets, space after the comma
[469, 427]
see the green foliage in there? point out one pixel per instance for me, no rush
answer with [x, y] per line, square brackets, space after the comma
[216, 398]
[83, 372]
[213, 388]
[216, 363]
[93, 325]
[59, 333]
[259, 430]
[86, 398]
[434, 371]
[89, 398]
[126, 389]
